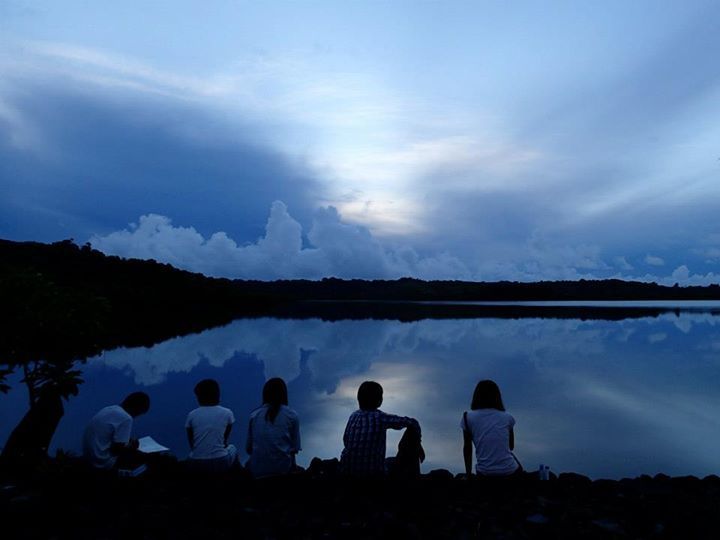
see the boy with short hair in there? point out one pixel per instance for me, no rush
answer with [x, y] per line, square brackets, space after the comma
[107, 436]
[208, 430]
[365, 438]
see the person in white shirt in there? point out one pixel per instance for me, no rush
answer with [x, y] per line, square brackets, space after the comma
[274, 433]
[107, 436]
[208, 430]
[490, 429]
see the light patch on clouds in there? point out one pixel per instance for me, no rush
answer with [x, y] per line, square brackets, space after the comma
[657, 338]
[652, 260]
[337, 249]
[622, 264]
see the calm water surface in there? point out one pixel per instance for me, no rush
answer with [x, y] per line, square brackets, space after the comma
[603, 398]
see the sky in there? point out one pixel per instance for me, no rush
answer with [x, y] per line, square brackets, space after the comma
[439, 140]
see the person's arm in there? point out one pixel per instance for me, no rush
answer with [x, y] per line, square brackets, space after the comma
[295, 435]
[512, 439]
[190, 432]
[392, 421]
[122, 443]
[228, 427]
[467, 451]
[190, 437]
[249, 441]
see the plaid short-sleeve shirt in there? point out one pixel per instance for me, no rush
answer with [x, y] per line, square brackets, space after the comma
[364, 439]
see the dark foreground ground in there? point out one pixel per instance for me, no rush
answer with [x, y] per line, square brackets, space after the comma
[64, 501]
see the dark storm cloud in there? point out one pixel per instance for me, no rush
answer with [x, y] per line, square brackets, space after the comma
[75, 163]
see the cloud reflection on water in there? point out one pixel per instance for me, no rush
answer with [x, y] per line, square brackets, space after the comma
[598, 397]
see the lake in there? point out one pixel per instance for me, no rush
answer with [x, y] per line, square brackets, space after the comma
[605, 398]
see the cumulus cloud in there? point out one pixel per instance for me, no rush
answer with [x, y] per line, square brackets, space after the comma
[622, 263]
[333, 247]
[652, 260]
[336, 249]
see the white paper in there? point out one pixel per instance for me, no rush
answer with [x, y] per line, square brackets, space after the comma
[150, 446]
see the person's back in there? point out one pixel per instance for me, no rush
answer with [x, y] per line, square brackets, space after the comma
[107, 436]
[273, 433]
[209, 424]
[365, 433]
[273, 443]
[489, 428]
[208, 429]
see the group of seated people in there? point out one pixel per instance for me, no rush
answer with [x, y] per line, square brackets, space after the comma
[273, 438]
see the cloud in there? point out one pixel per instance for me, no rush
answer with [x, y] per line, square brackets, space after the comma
[657, 338]
[622, 264]
[336, 249]
[73, 164]
[652, 260]
[480, 187]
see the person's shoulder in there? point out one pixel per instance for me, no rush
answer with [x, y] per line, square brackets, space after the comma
[114, 411]
[290, 413]
[224, 410]
[256, 412]
[484, 414]
[194, 412]
[495, 415]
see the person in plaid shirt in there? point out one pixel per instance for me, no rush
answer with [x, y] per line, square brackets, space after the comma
[364, 438]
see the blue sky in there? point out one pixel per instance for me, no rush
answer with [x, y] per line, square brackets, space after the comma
[478, 140]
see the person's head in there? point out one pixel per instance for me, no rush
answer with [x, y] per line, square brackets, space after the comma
[136, 404]
[274, 395]
[370, 396]
[207, 392]
[487, 396]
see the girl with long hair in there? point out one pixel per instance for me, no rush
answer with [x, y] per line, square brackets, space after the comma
[489, 428]
[273, 433]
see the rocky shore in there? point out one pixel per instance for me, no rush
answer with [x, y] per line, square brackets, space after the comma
[60, 501]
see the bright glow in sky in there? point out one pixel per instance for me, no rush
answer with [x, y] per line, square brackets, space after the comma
[475, 140]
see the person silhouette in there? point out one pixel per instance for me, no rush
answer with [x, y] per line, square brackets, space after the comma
[365, 433]
[273, 433]
[490, 428]
[208, 429]
[107, 436]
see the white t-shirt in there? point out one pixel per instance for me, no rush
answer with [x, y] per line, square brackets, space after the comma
[110, 425]
[272, 445]
[209, 425]
[490, 430]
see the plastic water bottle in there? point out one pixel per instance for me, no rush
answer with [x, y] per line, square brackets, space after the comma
[544, 472]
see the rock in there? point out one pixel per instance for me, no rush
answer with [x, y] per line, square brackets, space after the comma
[441, 473]
[538, 519]
[574, 479]
[609, 525]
